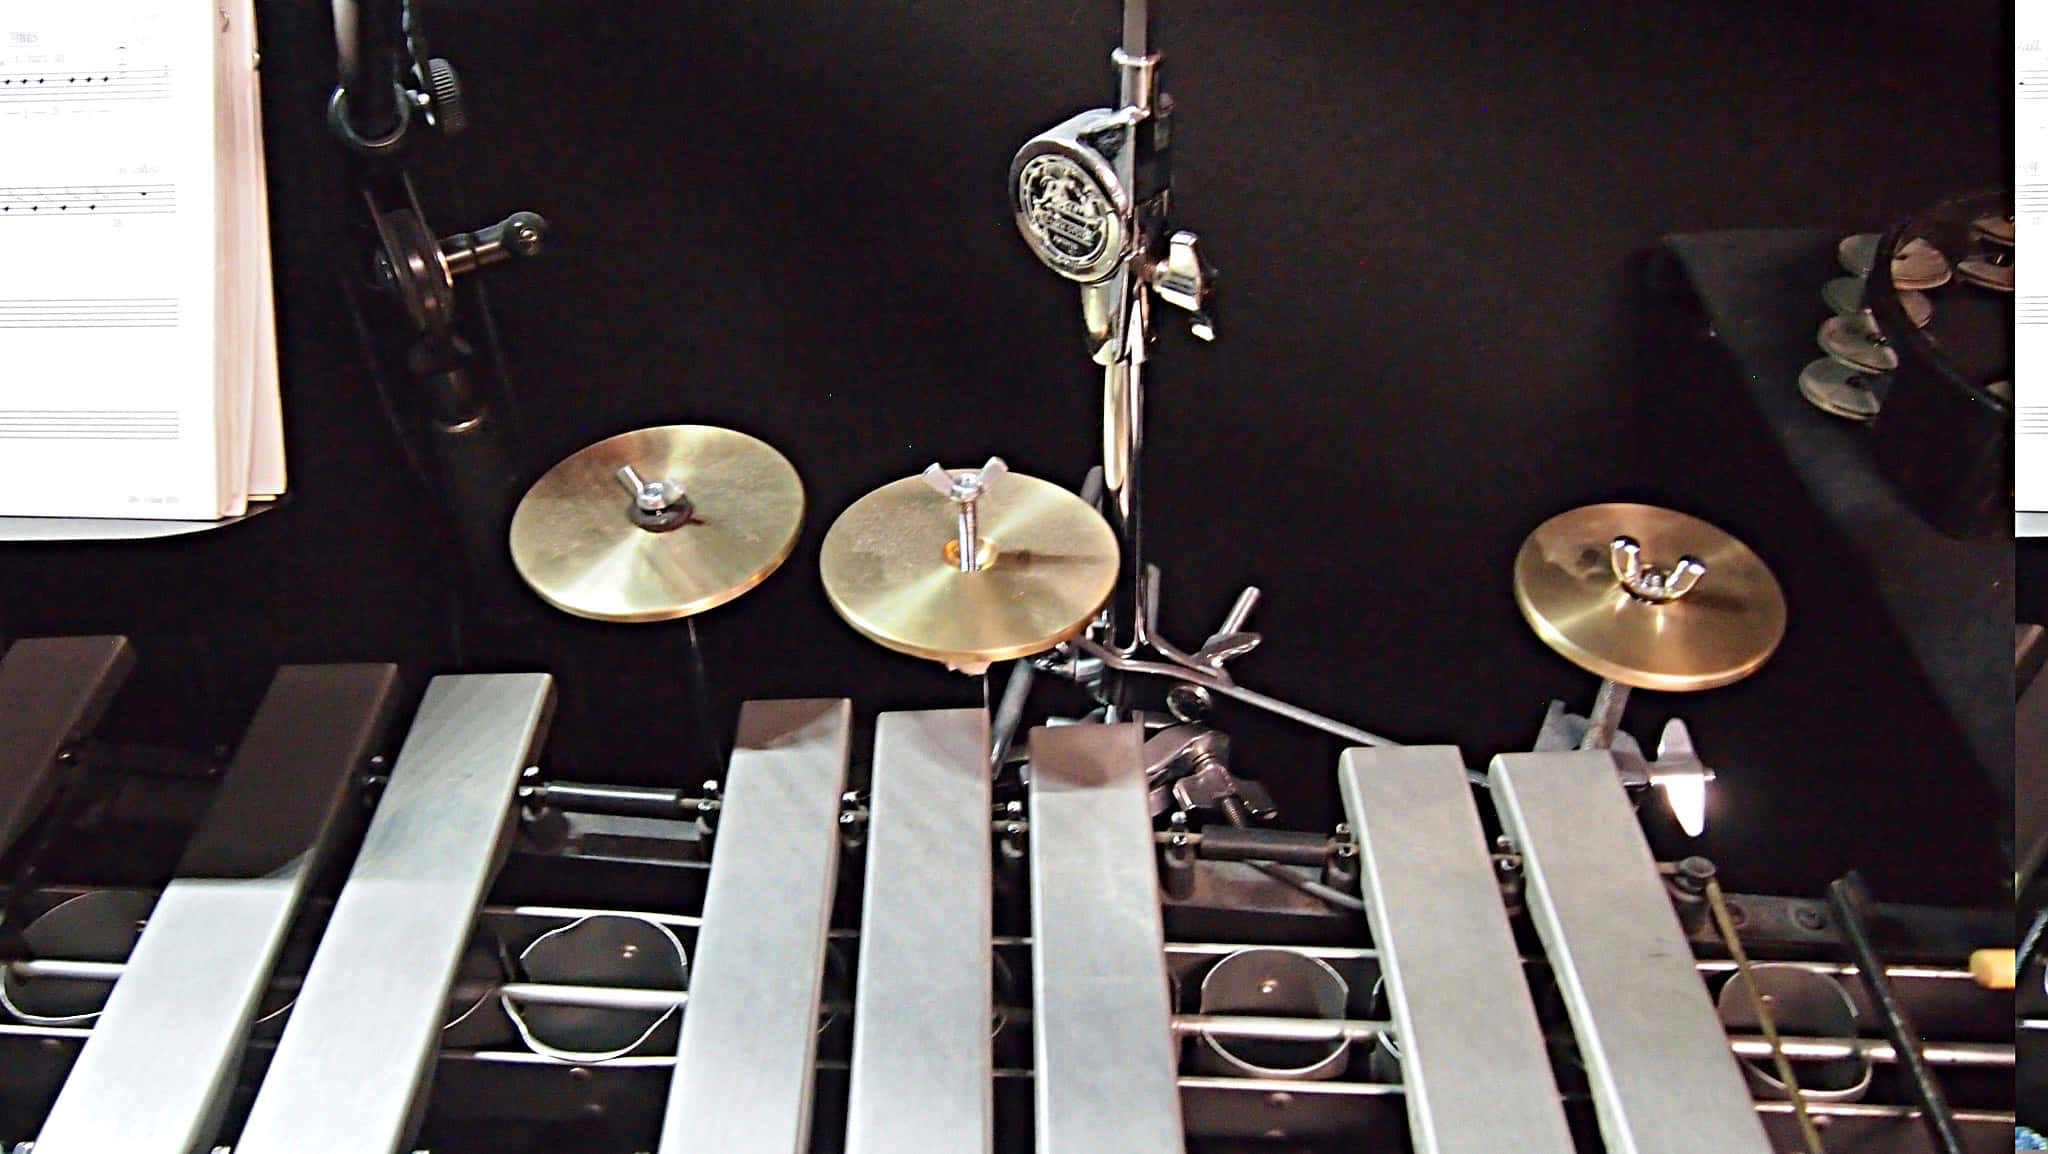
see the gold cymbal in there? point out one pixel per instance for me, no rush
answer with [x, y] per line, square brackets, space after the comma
[890, 564]
[576, 540]
[1718, 632]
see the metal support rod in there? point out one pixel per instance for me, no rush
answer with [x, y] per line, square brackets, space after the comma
[1240, 611]
[613, 800]
[1139, 23]
[1851, 904]
[1604, 721]
[700, 701]
[1975, 1055]
[1010, 712]
[1277, 1029]
[1214, 684]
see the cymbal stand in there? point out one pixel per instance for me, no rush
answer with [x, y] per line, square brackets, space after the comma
[388, 86]
[1092, 197]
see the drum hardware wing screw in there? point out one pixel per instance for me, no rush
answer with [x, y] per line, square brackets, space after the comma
[966, 489]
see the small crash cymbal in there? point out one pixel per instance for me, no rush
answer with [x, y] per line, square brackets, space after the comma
[891, 568]
[717, 512]
[1668, 628]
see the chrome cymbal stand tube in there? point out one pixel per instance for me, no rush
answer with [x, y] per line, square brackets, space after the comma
[1092, 197]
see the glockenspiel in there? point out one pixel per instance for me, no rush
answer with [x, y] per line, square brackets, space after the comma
[883, 954]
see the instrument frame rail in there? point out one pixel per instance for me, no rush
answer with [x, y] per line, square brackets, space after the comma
[1473, 1061]
[1664, 1081]
[349, 1073]
[155, 1076]
[744, 1069]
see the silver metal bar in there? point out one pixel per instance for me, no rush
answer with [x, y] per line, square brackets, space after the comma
[1277, 1029]
[352, 1064]
[743, 1073]
[921, 1050]
[53, 691]
[1983, 1055]
[592, 997]
[1473, 1056]
[1103, 1043]
[1663, 1079]
[164, 1055]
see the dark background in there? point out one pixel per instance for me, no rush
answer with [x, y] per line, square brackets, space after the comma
[790, 218]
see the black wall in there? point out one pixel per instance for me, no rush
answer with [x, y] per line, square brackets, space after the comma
[790, 218]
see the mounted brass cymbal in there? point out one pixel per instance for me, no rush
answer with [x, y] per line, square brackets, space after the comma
[657, 523]
[1043, 564]
[1649, 598]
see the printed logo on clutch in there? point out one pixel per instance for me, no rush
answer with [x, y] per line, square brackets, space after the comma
[1065, 210]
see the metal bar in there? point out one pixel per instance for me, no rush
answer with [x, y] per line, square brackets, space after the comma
[53, 691]
[743, 1072]
[1111, 659]
[617, 800]
[1663, 1079]
[1101, 1032]
[1851, 904]
[349, 1071]
[921, 1048]
[165, 1053]
[1278, 1029]
[1473, 1055]
[590, 997]
[1982, 1055]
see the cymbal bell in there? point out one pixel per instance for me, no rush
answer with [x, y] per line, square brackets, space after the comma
[1641, 616]
[707, 514]
[891, 568]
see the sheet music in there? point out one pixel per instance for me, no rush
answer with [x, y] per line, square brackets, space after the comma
[2030, 206]
[130, 335]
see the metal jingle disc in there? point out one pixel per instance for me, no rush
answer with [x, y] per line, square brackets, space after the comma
[890, 565]
[1982, 273]
[1855, 342]
[1996, 229]
[1835, 388]
[1919, 265]
[577, 542]
[1844, 296]
[1721, 631]
[1858, 253]
[1916, 265]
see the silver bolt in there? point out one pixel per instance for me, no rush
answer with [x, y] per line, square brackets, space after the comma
[965, 489]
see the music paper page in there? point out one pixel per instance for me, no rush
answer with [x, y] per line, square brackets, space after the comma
[2030, 330]
[110, 368]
